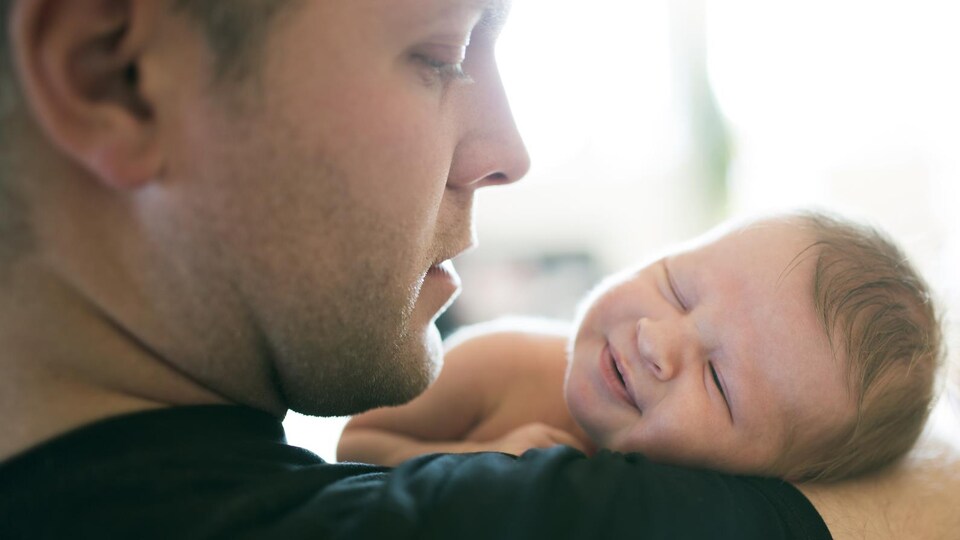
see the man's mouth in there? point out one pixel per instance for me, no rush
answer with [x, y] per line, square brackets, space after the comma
[446, 270]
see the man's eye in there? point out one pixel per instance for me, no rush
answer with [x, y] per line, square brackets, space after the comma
[441, 71]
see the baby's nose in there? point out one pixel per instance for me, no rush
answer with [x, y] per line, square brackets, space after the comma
[658, 343]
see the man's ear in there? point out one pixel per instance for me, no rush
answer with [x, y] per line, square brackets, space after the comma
[77, 64]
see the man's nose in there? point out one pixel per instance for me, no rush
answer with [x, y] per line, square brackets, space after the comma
[490, 150]
[664, 347]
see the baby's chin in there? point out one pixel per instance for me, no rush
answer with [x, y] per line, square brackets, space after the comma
[601, 437]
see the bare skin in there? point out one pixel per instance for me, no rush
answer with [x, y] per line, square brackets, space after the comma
[500, 392]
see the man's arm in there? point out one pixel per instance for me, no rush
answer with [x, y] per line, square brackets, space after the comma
[917, 498]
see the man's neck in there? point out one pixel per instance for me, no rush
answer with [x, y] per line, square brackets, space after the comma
[63, 365]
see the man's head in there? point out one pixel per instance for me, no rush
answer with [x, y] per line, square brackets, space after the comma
[264, 214]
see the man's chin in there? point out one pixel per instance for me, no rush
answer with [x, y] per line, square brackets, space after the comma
[368, 378]
[417, 364]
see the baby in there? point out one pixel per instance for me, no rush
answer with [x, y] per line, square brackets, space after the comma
[801, 346]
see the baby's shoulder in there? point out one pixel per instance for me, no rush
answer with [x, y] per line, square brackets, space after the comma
[511, 344]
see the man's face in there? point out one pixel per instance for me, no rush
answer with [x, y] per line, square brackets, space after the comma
[712, 356]
[320, 200]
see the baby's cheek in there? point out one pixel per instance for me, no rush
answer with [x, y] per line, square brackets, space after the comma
[667, 442]
[700, 447]
[585, 409]
[575, 395]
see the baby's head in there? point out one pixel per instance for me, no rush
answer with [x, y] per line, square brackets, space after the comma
[801, 346]
[881, 320]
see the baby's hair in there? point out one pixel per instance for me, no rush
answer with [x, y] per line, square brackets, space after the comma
[881, 321]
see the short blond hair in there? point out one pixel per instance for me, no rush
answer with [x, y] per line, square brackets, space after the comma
[881, 321]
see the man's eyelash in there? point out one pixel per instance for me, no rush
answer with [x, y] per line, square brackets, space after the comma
[444, 71]
[452, 72]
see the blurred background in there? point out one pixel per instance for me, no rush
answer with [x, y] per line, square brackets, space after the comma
[650, 121]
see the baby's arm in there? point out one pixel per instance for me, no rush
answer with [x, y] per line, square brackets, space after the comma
[477, 373]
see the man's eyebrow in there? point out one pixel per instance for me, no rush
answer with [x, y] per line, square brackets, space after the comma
[494, 12]
[491, 14]
[487, 5]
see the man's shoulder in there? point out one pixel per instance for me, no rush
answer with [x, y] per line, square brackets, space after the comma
[160, 474]
[229, 473]
[560, 493]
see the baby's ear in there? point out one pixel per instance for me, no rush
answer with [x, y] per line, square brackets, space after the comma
[79, 63]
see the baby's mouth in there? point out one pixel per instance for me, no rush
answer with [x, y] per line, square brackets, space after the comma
[618, 371]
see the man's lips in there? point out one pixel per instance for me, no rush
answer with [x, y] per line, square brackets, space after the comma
[446, 272]
[616, 377]
[441, 284]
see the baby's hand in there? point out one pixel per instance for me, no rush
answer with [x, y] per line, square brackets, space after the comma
[533, 435]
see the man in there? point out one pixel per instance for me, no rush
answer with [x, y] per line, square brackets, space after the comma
[248, 204]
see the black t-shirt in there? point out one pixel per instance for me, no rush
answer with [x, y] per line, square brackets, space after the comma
[227, 472]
